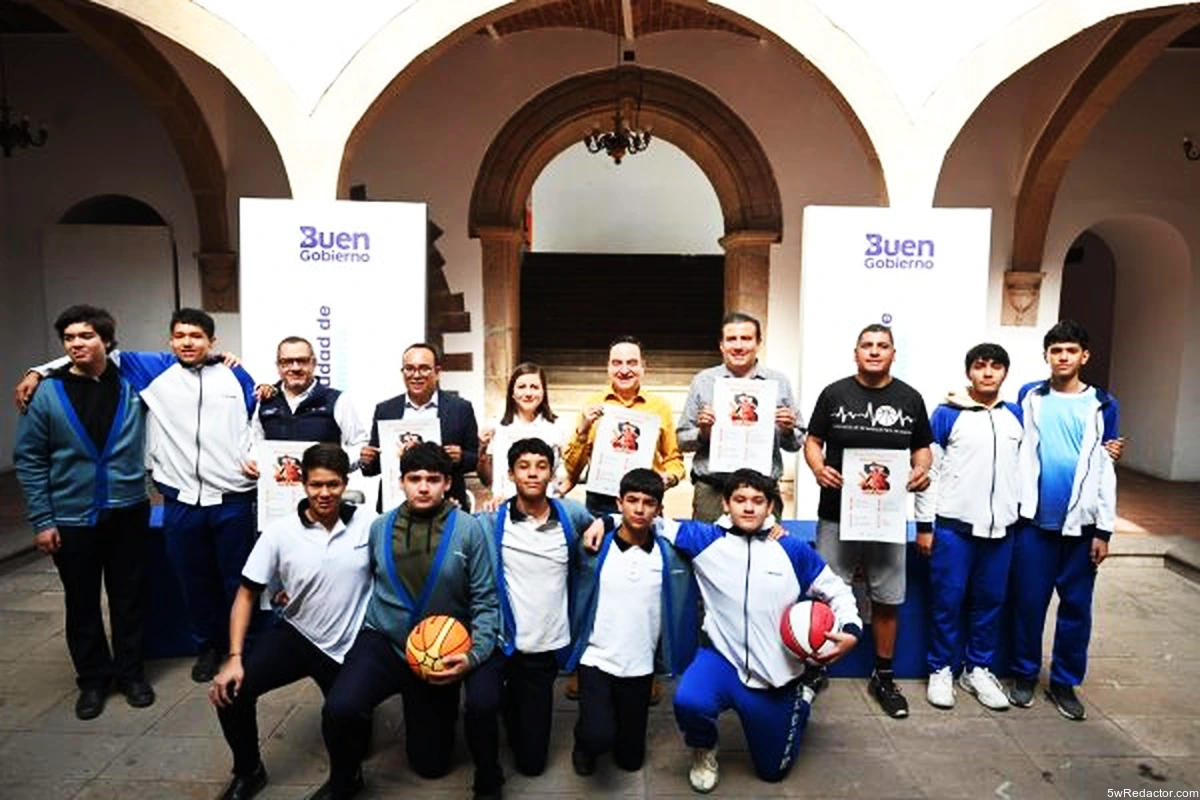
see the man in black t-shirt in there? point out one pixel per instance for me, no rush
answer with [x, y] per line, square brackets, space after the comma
[870, 409]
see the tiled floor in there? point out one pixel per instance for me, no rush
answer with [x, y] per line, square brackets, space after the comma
[1143, 731]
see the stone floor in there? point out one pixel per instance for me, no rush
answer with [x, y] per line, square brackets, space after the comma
[1143, 731]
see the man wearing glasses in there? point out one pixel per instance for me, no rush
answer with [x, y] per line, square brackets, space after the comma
[302, 409]
[422, 398]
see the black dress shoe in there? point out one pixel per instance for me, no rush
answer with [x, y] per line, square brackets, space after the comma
[207, 665]
[583, 763]
[90, 703]
[137, 693]
[326, 790]
[243, 787]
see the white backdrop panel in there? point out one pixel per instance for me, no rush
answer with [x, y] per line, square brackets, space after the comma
[924, 272]
[348, 276]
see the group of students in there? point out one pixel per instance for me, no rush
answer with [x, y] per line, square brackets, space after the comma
[542, 583]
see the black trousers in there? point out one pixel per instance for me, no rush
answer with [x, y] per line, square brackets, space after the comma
[525, 685]
[613, 713]
[279, 657]
[114, 549]
[374, 671]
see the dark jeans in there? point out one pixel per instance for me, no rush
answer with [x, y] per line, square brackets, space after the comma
[207, 547]
[113, 549]
[525, 681]
[613, 713]
[279, 657]
[374, 671]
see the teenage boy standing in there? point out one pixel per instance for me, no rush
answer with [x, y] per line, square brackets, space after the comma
[963, 521]
[1068, 506]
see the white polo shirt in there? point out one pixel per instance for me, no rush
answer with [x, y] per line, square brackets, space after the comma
[535, 574]
[628, 611]
[326, 575]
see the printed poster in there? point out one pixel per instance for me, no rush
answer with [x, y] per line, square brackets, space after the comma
[874, 495]
[744, 434]
[396, 436]
[280, 485]
[625, 440]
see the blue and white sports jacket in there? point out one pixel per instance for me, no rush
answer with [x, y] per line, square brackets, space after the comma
[1092, 508]
[198, 430]
[974, 486]
[747, 583]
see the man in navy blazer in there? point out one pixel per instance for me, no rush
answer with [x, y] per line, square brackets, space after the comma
[460, 433]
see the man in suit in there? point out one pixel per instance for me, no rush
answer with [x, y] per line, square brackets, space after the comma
[422, 398]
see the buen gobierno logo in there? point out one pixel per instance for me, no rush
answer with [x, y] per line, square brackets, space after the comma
[885, 253]
[336, 246]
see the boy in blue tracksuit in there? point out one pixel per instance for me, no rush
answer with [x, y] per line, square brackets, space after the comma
[635, 605]
[747, 581]
[963, 521]
[428, 557]
[533, 546]
[1068, 506]
[197, 434]
[79, 456]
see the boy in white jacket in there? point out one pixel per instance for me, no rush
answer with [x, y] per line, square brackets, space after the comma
[963, 521]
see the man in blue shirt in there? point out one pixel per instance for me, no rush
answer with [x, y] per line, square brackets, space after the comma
[1067, 509]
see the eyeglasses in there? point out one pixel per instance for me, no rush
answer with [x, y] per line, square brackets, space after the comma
[294, 362]
[417, 369]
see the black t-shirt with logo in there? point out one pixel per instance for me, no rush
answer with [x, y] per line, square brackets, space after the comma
[848, 414]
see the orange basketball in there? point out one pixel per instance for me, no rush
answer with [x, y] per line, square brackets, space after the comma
[432, 639]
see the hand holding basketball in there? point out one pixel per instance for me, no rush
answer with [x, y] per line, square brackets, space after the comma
[842, 643]
[437, 649]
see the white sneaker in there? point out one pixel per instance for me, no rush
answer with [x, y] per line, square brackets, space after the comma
[940, 692]
[980, 682]
[705, 771]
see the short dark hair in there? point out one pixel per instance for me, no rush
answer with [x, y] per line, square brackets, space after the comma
[530, 446]
[194, 316]
[752, 479]
[426, 456]
[735, 317]
[1066, 331]
[293, 340]
[627, 338]
[644, 481]
[325, 456]
[876, 327]
[101, 321]
[433, 348]
[987, 352]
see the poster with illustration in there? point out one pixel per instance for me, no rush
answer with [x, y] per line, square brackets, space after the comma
[280, 484]
[395, 437]
[625, 440]
[874, 495]
[743, 435]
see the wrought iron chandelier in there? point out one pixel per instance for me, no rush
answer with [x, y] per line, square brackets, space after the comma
[619, 141]
[20, 133]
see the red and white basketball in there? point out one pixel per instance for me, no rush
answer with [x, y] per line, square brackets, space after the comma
[804, 626]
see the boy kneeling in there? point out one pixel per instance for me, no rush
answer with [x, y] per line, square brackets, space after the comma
[747, 581]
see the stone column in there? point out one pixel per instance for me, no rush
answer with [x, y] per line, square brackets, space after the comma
[748, 272]
[501, 261]
[218, 281]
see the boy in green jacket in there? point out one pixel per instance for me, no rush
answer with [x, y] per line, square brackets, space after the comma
[428, 557]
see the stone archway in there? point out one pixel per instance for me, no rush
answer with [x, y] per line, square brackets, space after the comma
[678, 111]
[119, 41]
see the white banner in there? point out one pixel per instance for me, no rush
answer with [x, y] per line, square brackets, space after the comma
[923, 272]
[348, 276]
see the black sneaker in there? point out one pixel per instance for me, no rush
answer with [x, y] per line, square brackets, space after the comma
[1021, 692]
[890, 698]
[1064, 699]
[584, 763]
[207, 665]
[815, 677]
